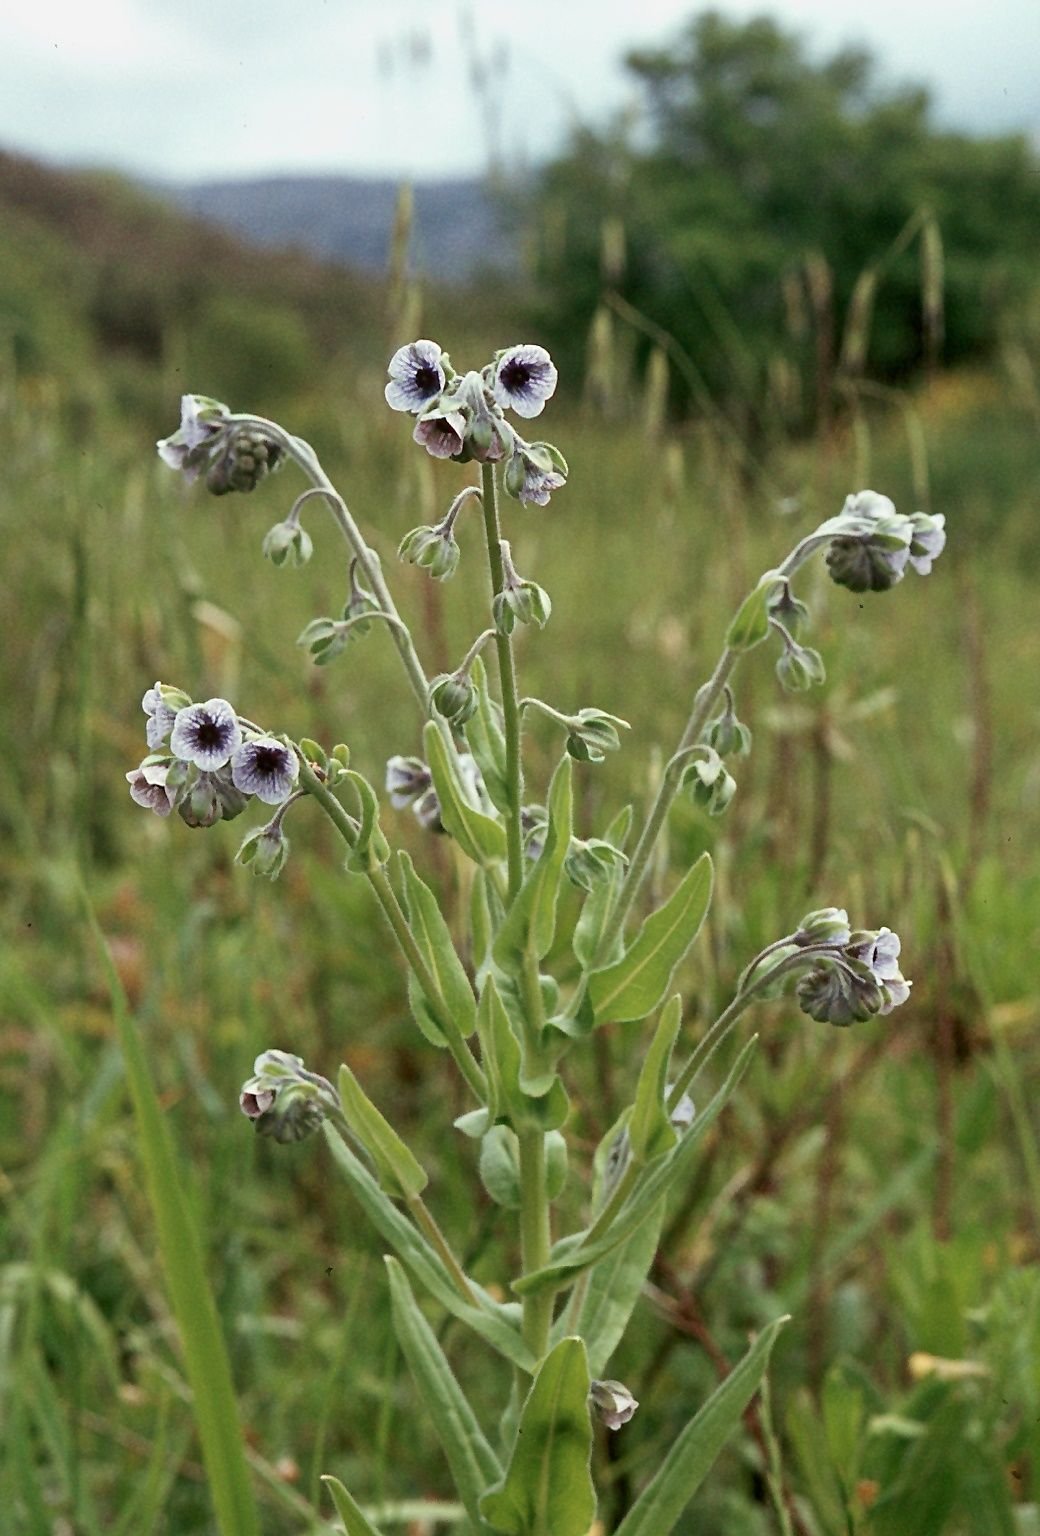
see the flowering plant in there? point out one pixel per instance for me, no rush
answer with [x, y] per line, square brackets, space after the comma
[487, 997]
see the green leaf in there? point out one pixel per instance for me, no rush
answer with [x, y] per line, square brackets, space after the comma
[474, 1465]
[355, 1523]
[500, 1166]
[692, 1455]
[614, 1287]
[652, 1186]
[486, 739]
[508, 1097]
[371, 849]
[636, 984]
[214, 1404]
[548, 1489]
[492, 1322]
[395, 1162]
[531, 920]
[480, 837]
[650, 1132]
[750, 624]
[433, 937]
[599, 903]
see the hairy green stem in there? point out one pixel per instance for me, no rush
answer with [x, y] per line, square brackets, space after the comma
[304, 455]
[384, 892]
[535, 1238]
[425, 1220]
[510, 697]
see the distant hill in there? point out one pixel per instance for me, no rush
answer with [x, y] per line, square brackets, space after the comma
[457, 227]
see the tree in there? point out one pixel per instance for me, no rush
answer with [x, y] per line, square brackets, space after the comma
[758, 160]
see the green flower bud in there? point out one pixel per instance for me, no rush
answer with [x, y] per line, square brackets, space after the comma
[454, 696]
[520, 602]
[588, 864]
[799, 668]
[287, 544]
[593, 734]
[435, 549]
[708, 784]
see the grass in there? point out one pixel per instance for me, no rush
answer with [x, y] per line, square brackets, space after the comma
[879, 1184]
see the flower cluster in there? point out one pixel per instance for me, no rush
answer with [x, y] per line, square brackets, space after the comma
[873, 555]
[461, 416]
[856, 977]
[234, 456]
[283, 1099]
[205, 762]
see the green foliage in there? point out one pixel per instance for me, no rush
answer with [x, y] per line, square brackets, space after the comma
[773, 183]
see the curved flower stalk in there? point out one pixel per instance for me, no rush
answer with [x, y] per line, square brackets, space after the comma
[489, 999]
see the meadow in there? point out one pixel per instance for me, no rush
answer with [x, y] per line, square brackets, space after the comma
[881, 1184]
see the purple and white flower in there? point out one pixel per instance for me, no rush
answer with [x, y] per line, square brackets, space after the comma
[533, 472]
[928, 542]
[206, 734]
[416, 377]
[189, 449]
[613, 1402]
[524, 379]
[880, 951]
[160, 717]
[148, 786]
[406, 779]
[441, 433]
[266, 768]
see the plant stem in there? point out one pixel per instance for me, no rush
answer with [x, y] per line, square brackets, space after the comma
[304, 455]
[703, 704]
[535, 1238]
[507, 677]
[425, 1220]
[384, 892]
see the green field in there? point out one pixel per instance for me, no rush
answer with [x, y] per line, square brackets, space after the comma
[880, 1184]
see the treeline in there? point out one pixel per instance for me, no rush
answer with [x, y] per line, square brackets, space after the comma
[787, 224]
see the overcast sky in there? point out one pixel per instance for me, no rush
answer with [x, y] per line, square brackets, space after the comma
[209, 88]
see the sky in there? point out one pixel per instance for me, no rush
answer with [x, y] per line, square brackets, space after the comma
[205, 89]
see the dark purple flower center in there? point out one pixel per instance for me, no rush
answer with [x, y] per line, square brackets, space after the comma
[210, 735]
[426, 379]
[516, 376]
[269, 761]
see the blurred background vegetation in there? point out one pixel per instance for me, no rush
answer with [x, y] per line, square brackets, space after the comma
[794, 287]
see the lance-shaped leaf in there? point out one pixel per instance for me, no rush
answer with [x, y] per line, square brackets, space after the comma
[394, 1161]
[692, 1455]
[655, 1182]
[614, 1287]
[548, 1489]
[474, 1465]
[494, 1324]
[433, 937]
[531, 920]
[650, 1132]
[599, 903]
[636, 984]
[750, 624]
[480, 837]
[508, 1097]
[355, 1521]
[486, 739]
[371, 848]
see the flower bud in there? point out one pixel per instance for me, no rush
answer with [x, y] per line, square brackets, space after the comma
[790, 610]
[248, 456]
[613, 1402]
[454, 696]
[708, 783]
[283, 1099]
[287, 543]
[684, 1113]
[325, 639]
[827, 925]
[265, 850]
[435, 549]
[520, 602]
[588, 864]
[593, 734]
[840, 994]
[799, 668]
[727, 735]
